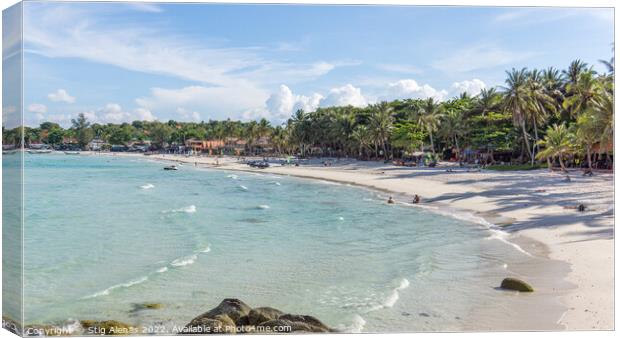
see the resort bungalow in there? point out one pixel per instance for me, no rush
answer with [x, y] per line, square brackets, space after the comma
[235, 146]
[212, 147]
[263, 145]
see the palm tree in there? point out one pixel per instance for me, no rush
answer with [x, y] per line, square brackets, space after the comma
[454, 126]
[429, 117]
[298, 125]
[556, 143]
[516, 100]
[488, 101]
[581, 93]
[540, 101]
[381, 123]
[587, 134]
[575, 69]
[603, 113]
[362, 135]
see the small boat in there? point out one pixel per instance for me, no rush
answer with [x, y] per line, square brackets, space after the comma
[171, 167]
[40, 151]
[72, 152]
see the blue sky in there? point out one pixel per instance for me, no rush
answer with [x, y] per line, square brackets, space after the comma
[118, 62]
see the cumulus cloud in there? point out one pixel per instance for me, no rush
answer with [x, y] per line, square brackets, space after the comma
[409, 88]
[222, 102]
[144, 114]
[61, 95]
[37, 108]
[188, 116]
[283, 102]
[345, 96]
[471, 87]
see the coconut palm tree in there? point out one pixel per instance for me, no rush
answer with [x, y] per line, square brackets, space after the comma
[487, 101]
[429, 117]
[363, 136]
[454, 126]
[516, 101]
[581, 93]
[571, 75]
[603, 113]
[557, 143]
[381, 123]
[540, 101]
[587, 134]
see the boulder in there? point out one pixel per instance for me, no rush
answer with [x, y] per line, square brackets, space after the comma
[206, 325]
[314, 324]
[516, 284]
[282, 326]
[262, 314]
[233, 308]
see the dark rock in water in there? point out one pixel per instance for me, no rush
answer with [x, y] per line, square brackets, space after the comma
[106, 327]
[286, 326]
[234, 316]
[233, 308]
[146, 306]
[313, 323]
[516, 284]
[206, 325]
[262, 314]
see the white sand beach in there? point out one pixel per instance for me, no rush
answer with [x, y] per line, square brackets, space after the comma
[528, 204]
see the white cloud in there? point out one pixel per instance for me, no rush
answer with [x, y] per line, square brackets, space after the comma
[144, 114]
[345, 96]
[188, 116]
[61, 95]
[37, 108]
[471, 87]
[221, 102]
[79, 32]
[479, 57]
[283, 103]
[410, 89]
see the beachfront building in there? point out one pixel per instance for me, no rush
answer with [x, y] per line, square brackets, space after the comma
[96, 144]
[211, 147]
[235, 146]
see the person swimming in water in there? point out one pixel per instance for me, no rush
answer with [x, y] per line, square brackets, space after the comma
[390, 200]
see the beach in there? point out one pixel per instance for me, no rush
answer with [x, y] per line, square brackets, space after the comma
[534, 207]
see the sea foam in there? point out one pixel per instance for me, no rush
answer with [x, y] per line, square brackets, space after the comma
[188, 209]
[117, 286]
[147, 186]
[183, 261]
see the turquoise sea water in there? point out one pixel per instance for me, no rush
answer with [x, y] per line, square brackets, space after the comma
[105, 233]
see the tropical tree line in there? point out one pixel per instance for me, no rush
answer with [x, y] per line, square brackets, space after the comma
[547, 115]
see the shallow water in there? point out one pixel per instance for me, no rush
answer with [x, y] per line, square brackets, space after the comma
[105, 233]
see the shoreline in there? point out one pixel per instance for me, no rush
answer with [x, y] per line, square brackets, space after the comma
[585, 305]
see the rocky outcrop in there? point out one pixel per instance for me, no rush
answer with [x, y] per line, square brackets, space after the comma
[516, 284]
[263, 314]
[234, 316]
